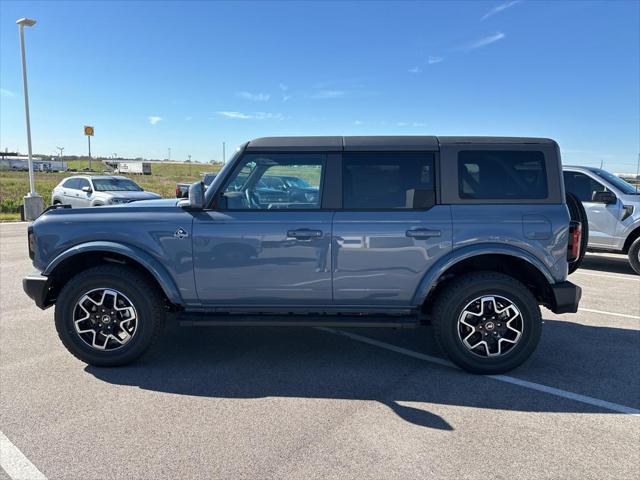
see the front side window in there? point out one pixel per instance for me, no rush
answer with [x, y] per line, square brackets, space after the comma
[501, 175]
[71, 183]
[83, 182]
[582, 186]
[388, 180]
[115, 185]
[257, 183]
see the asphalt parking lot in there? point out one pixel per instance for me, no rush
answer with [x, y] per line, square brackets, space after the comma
[317, 403]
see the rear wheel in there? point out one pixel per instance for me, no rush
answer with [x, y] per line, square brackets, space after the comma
[487, 322]
[109, 315]
[634, 255]
[578, 214]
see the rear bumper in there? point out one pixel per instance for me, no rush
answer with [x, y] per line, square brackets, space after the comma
[36, 286]
[566, 297]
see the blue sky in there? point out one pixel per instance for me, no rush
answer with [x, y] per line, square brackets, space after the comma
[190, 75]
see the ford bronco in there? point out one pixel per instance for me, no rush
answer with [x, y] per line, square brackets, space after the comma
[469, 234]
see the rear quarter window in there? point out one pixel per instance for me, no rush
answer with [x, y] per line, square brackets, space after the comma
[501, 175]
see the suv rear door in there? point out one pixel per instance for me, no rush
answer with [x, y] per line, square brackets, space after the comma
[258, 247]
[390, 229]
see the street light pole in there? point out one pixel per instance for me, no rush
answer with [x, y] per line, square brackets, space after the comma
[33, 203]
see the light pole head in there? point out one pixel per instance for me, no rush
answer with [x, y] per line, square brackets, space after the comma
[26, 22]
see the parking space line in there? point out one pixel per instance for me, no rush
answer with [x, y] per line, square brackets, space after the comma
[624, 315]
[619, 277]
[615, 407]
[13, 461]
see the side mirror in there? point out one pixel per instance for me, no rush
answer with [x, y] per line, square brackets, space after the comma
[196, 196]
[608, 198]
[87, 189]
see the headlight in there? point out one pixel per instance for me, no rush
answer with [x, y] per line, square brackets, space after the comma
[119, 200]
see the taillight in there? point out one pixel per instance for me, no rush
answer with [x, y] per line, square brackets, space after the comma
[31, 241]
[575, 238]
[177, 191]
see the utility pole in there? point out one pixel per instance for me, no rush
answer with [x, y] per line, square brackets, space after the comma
[60, 149]
[33, 203]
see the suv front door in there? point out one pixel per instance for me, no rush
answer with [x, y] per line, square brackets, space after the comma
[603, 218]
[258, 246]
[390, 229]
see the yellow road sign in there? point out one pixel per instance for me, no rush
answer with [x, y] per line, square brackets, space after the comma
[88, 130]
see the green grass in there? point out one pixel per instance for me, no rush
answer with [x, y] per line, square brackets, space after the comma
[163, 179]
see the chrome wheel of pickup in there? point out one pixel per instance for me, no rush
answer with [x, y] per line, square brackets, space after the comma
[490, 326]
[105, 319]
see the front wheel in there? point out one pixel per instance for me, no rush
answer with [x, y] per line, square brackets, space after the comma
[487, 322]
[634, 255]
[109, 315]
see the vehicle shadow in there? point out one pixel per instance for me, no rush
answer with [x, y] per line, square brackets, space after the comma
[609, 263]
[229, 362]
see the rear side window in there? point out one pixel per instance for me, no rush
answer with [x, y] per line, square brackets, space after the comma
[71, 183]
[388, 180]
[501, 175]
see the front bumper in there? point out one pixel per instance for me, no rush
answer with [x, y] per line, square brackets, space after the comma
[566, 297]
[37, 286]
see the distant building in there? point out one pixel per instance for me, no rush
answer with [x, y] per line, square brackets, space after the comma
[20, 163]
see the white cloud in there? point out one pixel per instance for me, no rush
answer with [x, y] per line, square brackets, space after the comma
[415, 69]
[358, 122]
[188, 119]
[435, 59]
[286, 97]
[256, 97]
[402, 124]
[499, 8]
[328, 94]
[418, 124]
[153, 120]
[283, 87]
[484, 41]
[6, 93]
[252, 116]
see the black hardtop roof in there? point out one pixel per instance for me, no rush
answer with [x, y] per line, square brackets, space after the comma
[400, 142]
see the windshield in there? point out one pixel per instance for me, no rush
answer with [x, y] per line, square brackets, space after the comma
[115, 185]
[296, 182]
[617, 182]
[208, 178]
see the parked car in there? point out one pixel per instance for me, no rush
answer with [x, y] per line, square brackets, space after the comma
[471, 234]
[182, 189]
[613, 209]
[295, 187]
[97, 191]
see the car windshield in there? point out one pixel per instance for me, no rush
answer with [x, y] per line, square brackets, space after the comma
[617, 182]
[115, 185]
[208, 178]
[296, 182]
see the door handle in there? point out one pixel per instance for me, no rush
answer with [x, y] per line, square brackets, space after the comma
[304, 233]
[423, 233]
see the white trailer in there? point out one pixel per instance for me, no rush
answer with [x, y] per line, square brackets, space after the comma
[139, 168]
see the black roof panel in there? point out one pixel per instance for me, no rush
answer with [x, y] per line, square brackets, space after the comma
[310, 144]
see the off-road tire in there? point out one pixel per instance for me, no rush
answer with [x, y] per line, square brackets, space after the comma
[145, 297]
[458, 293]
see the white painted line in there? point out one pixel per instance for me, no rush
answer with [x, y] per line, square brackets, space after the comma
[17, 466]
[605, 275]
[615, 407]
[624, 315]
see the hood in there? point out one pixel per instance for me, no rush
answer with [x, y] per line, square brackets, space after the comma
[156, 202]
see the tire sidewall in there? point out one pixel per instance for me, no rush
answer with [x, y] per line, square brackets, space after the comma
[72, 293]
[521, 351]
[634, 251]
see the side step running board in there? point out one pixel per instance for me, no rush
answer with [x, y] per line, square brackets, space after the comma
[350, 321]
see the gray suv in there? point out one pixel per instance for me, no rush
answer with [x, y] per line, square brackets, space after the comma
[469, 234]
[613, 210]
[97, 191]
